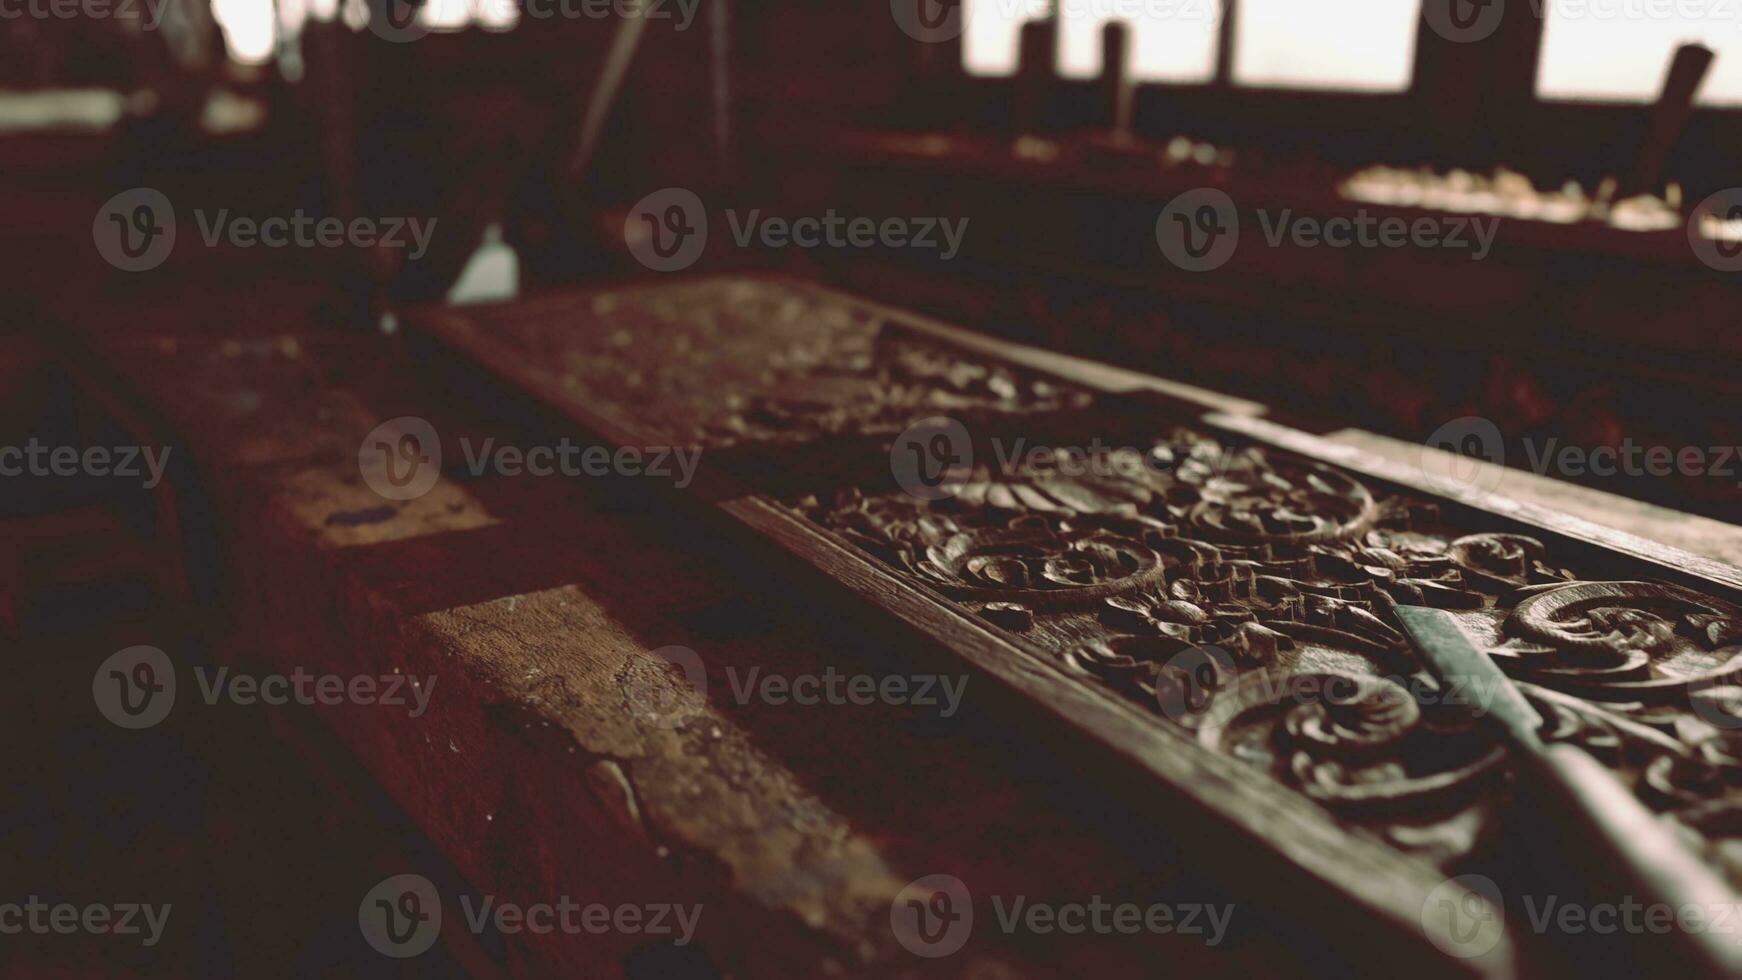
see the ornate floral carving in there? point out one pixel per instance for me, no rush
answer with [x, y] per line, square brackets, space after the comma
[1129, 567]
[721, 363]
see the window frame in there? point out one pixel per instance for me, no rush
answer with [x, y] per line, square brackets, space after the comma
[1472, 105]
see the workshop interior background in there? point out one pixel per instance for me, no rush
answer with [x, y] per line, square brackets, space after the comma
[1508, 230]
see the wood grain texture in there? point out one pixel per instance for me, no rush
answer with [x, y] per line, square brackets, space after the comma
[1241, 813]
[1664, 559]
[1691, 533]
[533, 603]
[1292, 583]
[537, 600]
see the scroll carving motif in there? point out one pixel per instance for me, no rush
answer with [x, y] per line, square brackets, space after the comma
[724, 363]
[1235, 592]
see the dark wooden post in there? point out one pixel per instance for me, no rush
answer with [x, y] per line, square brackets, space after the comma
[1036, 71]
[1117, 89]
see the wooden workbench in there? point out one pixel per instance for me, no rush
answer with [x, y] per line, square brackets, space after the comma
[533, 601]
[529, 600]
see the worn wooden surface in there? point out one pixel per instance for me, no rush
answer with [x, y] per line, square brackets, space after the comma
[533, 599]
[791, 368]
[802, 378]
[1689, 532]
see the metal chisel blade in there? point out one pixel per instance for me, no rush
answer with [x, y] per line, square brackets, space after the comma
[1456, 661]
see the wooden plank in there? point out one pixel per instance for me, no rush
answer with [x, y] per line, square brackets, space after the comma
[1665, 560]
[1689, 532]
[829, 405]
[1258, 836]
[532, 602]
[1352, 878]
[1093, 374]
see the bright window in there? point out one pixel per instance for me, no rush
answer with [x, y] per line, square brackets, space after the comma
[1327, 44]
[248, 29]
[1332, 44]
[1171, 40]
[989, 38]
[1619, 50]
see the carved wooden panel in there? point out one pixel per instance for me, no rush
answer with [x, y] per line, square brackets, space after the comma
[722, 363]
[1236, 592]
[1150, 556]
